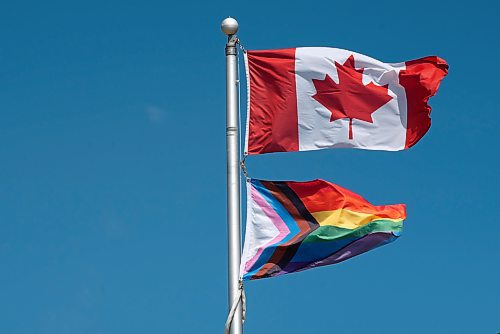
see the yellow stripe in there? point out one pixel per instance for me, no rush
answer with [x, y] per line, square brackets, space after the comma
[346, 218]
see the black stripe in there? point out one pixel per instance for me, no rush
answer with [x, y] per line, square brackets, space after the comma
[297, 202]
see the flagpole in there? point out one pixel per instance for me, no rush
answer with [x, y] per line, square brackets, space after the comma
[230, 26]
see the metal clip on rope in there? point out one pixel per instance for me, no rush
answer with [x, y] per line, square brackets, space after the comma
[244, 167]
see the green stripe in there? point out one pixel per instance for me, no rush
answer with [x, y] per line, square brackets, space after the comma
[329, 233]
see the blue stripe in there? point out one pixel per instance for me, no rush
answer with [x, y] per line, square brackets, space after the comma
[316, 251]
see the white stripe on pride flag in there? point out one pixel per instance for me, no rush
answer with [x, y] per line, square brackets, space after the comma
[317, 131]
[313, 98]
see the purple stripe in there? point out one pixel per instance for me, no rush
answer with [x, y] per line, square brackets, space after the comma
[360, 246]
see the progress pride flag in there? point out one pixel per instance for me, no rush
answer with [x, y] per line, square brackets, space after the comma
[311, 98]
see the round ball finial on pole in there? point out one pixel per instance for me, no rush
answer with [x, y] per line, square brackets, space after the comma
[229, 26]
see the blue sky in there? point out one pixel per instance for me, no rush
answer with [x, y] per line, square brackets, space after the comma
[112, 171]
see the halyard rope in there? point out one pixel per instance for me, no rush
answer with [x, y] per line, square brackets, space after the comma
[240, 296]
[243, 155]
[238, 81]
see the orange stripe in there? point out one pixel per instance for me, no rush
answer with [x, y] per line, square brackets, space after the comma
[319, 195]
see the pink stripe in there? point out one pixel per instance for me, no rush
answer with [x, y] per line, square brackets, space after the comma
[277, 221]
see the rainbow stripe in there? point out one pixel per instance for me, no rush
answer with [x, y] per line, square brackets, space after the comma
[294, 226]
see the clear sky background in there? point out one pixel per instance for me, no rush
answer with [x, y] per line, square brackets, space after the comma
[112, 171]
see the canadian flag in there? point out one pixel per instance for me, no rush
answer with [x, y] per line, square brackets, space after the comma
[314, 97]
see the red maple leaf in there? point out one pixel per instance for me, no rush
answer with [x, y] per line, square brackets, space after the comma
[350, 98]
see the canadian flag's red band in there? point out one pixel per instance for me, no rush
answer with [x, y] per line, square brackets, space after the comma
[421, 80]
[273, 102]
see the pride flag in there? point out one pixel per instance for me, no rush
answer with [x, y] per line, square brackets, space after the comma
[294, 226]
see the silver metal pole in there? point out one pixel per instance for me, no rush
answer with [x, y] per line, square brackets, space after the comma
[230, 27]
